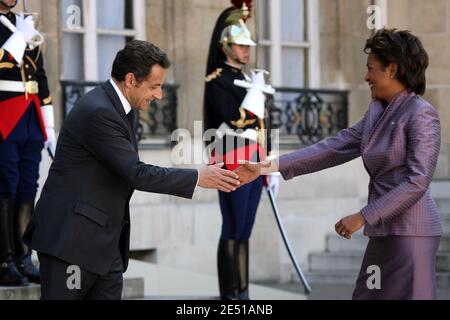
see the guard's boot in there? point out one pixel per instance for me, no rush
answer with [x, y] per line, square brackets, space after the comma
[243, 269]
[9, 275]
[227, 270]
[22, 254]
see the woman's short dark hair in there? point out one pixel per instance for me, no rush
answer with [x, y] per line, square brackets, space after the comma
[138, 57]
[404, 49]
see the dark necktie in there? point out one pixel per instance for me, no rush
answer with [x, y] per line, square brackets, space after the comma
[130, 117]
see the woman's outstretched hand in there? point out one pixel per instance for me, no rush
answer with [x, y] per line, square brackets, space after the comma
[250, 171]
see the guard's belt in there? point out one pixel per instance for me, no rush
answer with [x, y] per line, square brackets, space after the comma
[30, 87]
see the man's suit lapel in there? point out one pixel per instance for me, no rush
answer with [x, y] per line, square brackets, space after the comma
[107, 86]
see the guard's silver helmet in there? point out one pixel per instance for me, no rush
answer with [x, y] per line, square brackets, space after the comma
[237, 34]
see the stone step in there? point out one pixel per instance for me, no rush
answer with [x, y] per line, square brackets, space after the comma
[351, 261]
[443, 261]
[358, 242]
[445, 220]
[444, 245]
[334, 243]
[443, 205]
[440, 189]
[133, 288]
[339, 261]
[331, 277]
[31, 292]
[443, 280]
[349, 278]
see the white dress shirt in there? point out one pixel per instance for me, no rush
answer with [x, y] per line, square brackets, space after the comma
[125, 104]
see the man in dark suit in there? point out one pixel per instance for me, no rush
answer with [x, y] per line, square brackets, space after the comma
[82, 217]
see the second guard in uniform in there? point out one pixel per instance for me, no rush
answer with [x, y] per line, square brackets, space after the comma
[26, 124]
[229, 52]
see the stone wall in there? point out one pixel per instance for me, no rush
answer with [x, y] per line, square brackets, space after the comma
[430, 20]
[343, 32]
[183, 29]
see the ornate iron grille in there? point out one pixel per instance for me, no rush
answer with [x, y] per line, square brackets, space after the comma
[158, 122]
[310, 115]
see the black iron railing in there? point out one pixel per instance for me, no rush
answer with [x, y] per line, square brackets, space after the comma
[308, 115]
[158, 122]
[303, 116]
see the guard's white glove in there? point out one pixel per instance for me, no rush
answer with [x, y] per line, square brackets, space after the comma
[49, 122]
[24, 33]
[273, 183]
[25, 26]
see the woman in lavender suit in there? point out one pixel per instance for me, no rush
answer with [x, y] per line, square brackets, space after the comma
[398, 139]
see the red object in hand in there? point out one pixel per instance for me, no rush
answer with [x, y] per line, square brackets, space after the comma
[238, 4]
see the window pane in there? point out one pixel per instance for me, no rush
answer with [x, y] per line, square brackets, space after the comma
[293, 20]
[111, 14]
[293, 67]
[107, 49]
[73, 62]
[71, 14]
[264, 20]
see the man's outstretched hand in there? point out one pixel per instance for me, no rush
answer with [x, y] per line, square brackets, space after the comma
[250, 171]
[214, 177]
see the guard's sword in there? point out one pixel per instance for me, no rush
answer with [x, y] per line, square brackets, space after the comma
[50, 153]
[286, 242]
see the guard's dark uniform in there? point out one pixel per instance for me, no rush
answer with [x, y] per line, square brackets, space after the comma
[22, 136]
[222, 105]
[223, 101]
[22, 129]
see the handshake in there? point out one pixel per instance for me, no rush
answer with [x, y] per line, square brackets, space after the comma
[214, 177]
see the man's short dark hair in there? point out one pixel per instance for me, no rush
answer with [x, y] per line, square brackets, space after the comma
[138, 57]
[404, 49]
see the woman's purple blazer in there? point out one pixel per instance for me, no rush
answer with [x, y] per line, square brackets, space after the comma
[399, 145]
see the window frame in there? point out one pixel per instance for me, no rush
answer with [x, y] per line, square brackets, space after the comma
[91, 33]
[311, 45]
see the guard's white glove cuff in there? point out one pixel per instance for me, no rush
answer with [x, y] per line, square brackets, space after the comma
[274, 183]
[48, 115]
[49, 122]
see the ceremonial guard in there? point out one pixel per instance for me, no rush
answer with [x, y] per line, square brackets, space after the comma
[223, 110]
[26, 124]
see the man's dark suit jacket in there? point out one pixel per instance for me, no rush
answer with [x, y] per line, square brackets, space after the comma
[82, 216]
